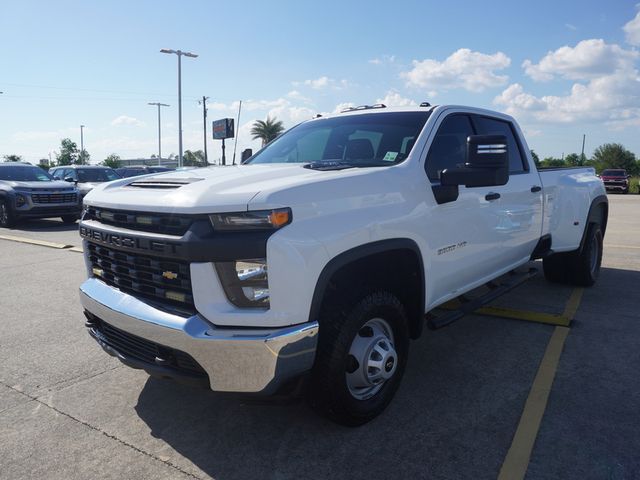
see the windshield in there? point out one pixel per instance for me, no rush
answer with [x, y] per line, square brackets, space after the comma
[24, 174]
[613, 173]
[365, 140]
[96, 175]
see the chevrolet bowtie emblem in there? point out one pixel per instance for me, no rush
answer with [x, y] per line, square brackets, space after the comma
[169, 275]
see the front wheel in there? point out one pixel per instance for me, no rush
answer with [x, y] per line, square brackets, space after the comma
[362, 354]
[7, 219]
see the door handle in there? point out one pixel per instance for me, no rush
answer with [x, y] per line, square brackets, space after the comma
[491, 196]
[536, 188]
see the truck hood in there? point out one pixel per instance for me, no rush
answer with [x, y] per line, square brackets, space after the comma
[55, 185]
[203, 190]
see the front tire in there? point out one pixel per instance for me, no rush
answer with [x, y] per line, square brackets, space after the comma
[7, 218]
[362, 353]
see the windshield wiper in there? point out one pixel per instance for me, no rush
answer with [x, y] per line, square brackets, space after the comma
[329, 165]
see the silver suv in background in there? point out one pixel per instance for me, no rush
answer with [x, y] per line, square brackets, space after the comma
[84, 176]
[27, 191]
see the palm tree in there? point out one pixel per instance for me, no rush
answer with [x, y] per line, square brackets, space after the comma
[266, 130]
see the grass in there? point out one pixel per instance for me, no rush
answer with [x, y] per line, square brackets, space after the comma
[634, 185]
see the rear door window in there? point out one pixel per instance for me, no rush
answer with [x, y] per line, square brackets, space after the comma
[493, 126]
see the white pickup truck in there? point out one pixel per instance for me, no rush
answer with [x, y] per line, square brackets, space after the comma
[323, 252]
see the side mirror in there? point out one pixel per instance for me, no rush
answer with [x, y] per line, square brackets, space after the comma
[486, 163]
[69, 179]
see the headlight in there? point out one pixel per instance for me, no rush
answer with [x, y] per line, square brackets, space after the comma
[20, 200]
[245, 282]
[256, 220]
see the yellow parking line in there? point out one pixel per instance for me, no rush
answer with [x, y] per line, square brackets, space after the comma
[573, 303]
[31, 241]
[632, 247]
[538, 317]
[517, 460]
[76, 249]
[528, 316]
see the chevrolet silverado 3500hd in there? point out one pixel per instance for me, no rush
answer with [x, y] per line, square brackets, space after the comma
[322, 253]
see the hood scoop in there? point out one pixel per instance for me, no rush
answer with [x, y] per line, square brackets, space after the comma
[163, 183]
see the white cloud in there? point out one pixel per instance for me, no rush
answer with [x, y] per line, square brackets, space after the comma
[384, 59]
[473, 71]
[609, 98]
[318, 83]
[126, 120]
[323, 82]
[516, 100]
[296, 95]
[394, 99]
[291, 114]
[588, 59]
[632, 31]
[571, 26]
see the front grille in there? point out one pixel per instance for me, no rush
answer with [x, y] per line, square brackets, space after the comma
[144, 350]
[147, 222]
[54, 197]
[165, 281]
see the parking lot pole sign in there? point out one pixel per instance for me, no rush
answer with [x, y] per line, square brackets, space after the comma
[221, 130]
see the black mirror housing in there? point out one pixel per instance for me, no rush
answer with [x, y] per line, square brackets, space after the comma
[486, 164]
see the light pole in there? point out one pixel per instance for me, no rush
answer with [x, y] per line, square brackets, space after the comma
[179, 53]
[81, 143]
[159, 134]
[204, 121]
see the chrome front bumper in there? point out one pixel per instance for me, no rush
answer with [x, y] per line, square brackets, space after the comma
[236, 360]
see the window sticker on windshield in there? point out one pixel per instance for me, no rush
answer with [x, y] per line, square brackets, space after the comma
[390, 156]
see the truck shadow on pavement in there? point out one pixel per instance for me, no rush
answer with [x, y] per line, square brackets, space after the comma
[44, 225]
[456, 410]
[453, 417]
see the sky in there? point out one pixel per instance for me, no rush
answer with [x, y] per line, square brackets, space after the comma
[561, 68]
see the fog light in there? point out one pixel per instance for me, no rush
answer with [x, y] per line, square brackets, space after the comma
[20, 200]
[245, 282]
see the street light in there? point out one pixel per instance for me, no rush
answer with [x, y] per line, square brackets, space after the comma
[159, 136]
[179, 53]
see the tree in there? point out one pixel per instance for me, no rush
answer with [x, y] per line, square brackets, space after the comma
[193, 159]
[549, 162]
[536, 158]
[68, 152]
[573, 160]
[266, 130]
[112, 161]
[12, 158]
[614, 155]
[83, 158]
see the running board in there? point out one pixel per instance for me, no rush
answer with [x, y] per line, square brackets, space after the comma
[469, 305]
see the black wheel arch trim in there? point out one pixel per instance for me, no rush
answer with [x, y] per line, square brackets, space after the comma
[596, 215]
[362, 251]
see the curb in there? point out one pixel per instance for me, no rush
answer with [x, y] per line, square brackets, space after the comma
[42, 243]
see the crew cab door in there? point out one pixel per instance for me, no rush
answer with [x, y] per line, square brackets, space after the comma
[481, 232]
[519, 208]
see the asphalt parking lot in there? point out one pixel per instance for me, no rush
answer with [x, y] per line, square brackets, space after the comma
[68, 411]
